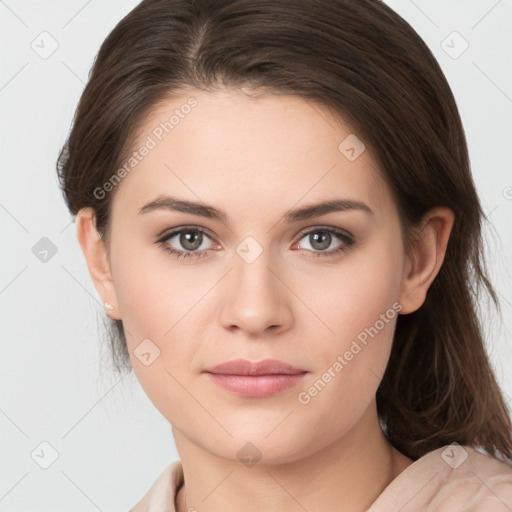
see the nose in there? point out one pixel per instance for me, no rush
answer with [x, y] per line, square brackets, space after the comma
[256, 300]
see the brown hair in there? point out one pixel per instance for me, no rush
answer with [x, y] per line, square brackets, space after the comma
[363, 61]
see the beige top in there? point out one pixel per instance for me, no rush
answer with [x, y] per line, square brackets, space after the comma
[452, 478]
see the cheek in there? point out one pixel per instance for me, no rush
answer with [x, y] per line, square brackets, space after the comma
[344, 385]
[152, 292]
[151, 313]
[352, 296]
[158, 302]
[361, 308]
[141, 303]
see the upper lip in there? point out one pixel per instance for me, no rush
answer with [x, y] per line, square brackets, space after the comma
[265, 367]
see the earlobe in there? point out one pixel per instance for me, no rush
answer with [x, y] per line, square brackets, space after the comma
[427, 256]
[95, 254]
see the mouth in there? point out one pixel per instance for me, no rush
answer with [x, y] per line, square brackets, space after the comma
[255, 379]
[265, 367]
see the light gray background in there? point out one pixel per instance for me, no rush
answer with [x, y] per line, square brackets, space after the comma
[110, 440]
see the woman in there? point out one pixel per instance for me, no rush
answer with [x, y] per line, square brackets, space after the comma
[275, 204]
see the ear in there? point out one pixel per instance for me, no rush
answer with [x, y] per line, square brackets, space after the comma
[425, 258]
[95, 253]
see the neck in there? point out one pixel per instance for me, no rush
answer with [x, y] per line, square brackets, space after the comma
[347, 475]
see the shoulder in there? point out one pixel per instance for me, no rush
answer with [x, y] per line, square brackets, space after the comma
[161, 495]
[474, 480]
[452, 478]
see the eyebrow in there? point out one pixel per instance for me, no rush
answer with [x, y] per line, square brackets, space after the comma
[172, 203]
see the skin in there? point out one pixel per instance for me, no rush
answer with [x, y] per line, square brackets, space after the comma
[255, 159]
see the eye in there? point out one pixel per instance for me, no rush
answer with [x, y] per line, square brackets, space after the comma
[320, 239]
[191, 242]
[190, 239]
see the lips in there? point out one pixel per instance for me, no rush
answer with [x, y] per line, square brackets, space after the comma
[265, 367]
[255, 380]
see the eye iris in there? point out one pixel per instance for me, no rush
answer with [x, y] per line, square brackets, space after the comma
[324, 237]
[187, 236]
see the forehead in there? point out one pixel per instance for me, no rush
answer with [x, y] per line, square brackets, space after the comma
[227, 147]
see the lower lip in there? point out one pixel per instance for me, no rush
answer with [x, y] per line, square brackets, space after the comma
[257, 386]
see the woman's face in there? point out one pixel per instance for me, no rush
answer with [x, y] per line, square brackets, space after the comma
[319, 292]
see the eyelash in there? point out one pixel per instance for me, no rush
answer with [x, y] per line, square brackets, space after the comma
[348, 242]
